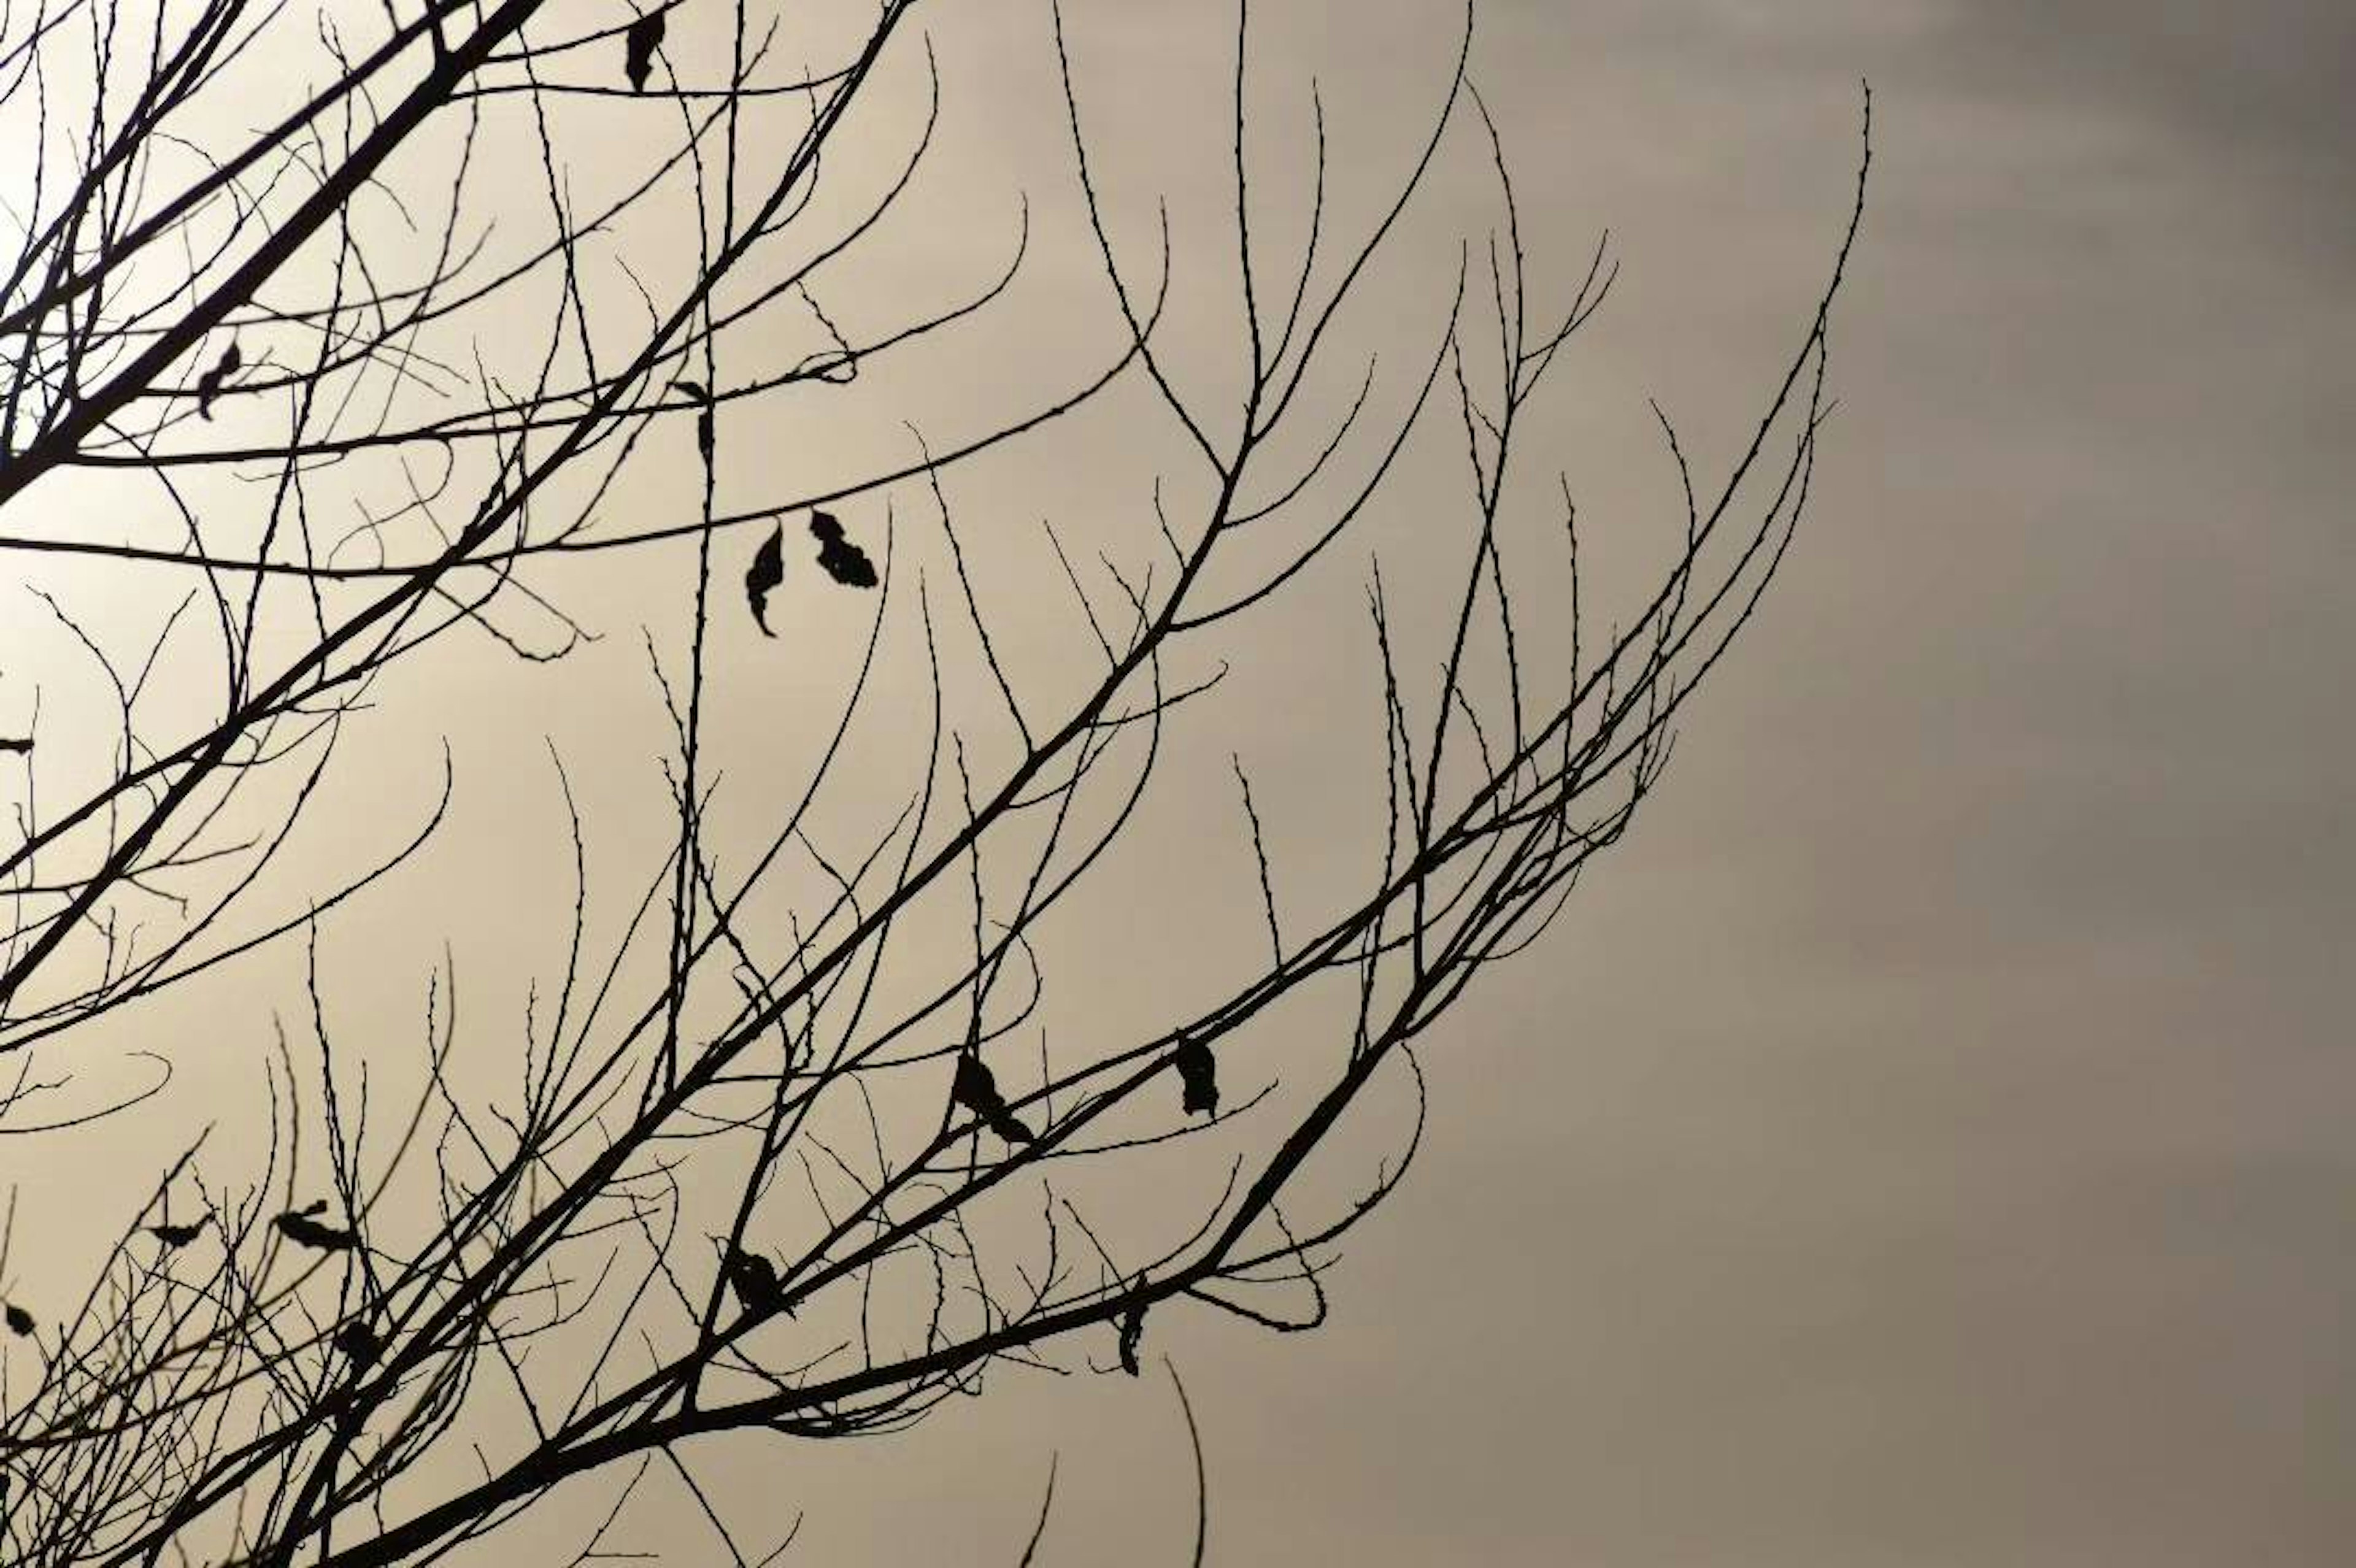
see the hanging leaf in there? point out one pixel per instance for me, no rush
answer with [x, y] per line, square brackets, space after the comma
[767, 571]
[176, 1236]
[975, 1088]
[638, 47]
[209, 385]
[356, 1340]
[836, 556]
[1198, 1070]
[753, 1278]
[1132, 1330]
[297, 1226]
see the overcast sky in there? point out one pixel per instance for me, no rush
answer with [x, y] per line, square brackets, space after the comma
[1928, 1142]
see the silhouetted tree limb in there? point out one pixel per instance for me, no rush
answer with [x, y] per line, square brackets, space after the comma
[897, 1165]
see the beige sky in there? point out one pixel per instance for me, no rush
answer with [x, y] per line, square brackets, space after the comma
[1924, 1141]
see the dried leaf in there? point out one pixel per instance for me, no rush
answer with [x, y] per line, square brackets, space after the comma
[767, 571]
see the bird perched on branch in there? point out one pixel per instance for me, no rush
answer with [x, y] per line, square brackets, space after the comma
[975, 1088]
[638, 45]
[836, 556]
[767, 571]
[209, 385]
[1198, 1071]
[298, 1225]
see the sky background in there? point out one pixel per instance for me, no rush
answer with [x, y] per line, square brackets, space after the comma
[1926, 1140]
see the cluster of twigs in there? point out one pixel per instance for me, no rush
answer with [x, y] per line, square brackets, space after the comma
[754, 1182]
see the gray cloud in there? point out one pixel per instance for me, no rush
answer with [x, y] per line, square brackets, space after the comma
[2263, 87]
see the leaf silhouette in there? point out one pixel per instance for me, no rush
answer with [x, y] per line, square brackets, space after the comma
[209, 385]
[1198, 1070]
[356, 1340]
[176, 1236]
[836, 556]
[695, 390]
[20, 1322]
[975, 1088]
[1132, 1330]
[767, 571]
[638, 47]
[753, 1278]
[1012, 1128]
[15, 742]
[848, 564]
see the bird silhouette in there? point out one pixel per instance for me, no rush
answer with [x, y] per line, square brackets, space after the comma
[753, 1278]
[20, 1322]
[298, 1226]
[1199, 1071]
[975, 1088]
[638, 47]
[767, 571]
[209, 385]
[176, 1236]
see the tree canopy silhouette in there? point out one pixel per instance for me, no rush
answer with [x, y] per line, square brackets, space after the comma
[476, 283]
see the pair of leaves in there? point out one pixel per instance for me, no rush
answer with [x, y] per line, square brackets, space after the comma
[836, 556]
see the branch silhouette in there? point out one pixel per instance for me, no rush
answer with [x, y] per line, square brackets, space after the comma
[463, 284]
